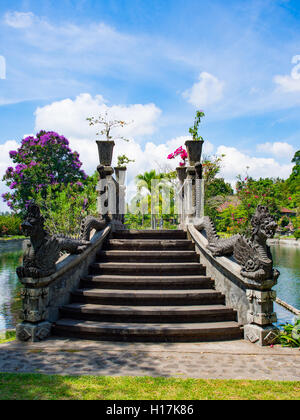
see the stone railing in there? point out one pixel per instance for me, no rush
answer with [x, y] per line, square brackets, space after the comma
[252, 299]
[42, 297]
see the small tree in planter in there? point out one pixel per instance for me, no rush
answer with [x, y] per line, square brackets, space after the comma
[194, 147]
[105, 147]
[120, 170]
[123, 160]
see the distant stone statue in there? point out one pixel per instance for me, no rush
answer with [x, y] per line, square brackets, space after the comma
[252, 254]
[43, 250]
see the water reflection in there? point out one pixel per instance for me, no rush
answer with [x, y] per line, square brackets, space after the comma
[10, 302]
[287, 261]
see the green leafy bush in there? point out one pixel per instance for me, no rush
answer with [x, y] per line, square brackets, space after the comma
[297, 234]
[64, 210]
[10, 225]
[290, 336]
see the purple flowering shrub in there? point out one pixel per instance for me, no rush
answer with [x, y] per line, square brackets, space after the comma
[41, 161]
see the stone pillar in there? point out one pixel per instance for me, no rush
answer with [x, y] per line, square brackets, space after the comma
[121, 205]
[181, 175]
[193, 194]
[106, 200]
[261, 315]
[33, 314]
[189, 195]
[199, 191]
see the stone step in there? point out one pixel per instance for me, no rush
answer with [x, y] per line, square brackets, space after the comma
[147, 256]
[147, 282]
[179, 332]
[161, 314]
[157, 269]
[149, 234]
[148, 297]
[150, 244]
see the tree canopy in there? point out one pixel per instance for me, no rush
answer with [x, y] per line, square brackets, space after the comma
[39, 162]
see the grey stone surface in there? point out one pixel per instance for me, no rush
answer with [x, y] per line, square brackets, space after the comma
[218, 360]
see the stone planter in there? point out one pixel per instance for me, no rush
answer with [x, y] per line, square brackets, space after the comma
[120, 172]
[194, 151]
[105, 150]
[181, 173]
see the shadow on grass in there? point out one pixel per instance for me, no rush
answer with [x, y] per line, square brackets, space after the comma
[42, 387]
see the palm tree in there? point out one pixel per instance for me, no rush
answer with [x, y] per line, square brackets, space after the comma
[145, 181]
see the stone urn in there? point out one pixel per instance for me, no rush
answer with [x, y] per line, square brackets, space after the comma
[120, 172]
[105, 150]
[181, 173]
[194, 150]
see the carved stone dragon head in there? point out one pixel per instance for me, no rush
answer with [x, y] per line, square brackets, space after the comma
[33, 221]
[263, 224]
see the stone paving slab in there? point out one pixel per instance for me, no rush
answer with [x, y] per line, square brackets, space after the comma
[218, 360]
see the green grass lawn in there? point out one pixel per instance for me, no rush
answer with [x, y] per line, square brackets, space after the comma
[7, 336]
[10, 238]
[43, 387]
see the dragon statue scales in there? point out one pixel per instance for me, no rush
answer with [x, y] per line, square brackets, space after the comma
[43, 250]
[252, 254]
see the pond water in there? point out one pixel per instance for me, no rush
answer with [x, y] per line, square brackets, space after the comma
[10, 302]
[286, 260]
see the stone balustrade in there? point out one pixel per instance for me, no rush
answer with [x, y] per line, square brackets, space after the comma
[253, 300]
[42, 297]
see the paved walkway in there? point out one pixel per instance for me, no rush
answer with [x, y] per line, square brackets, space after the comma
[219, 360]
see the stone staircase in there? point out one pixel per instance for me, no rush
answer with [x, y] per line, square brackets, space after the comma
[148, 286]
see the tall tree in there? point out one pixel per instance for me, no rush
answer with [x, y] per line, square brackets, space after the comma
[41, 161]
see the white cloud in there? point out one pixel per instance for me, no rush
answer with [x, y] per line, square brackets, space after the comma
[69, 116]
[207, 91]
[237, 163]
[278, 149]
[290, 83]
[19, 20]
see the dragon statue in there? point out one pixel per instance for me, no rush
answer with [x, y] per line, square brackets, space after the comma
[252, 254]
[43, 250]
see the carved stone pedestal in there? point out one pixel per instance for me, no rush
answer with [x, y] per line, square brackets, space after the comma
[261, 307]
[260, 317]
[263, 336]
[26, 331]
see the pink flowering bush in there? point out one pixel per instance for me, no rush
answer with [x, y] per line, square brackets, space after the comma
[179, 152]
[41, 161]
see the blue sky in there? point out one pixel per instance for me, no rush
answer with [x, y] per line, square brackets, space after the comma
[156, 62]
